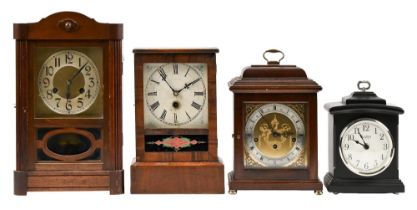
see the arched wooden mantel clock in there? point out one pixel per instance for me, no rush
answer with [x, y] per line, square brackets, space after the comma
[68, 105]
[176, 122]
[363, 144]
[275, 129]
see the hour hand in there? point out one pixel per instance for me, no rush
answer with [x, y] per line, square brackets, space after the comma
[67, 93]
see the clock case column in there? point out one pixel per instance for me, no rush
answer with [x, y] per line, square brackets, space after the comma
[274, 83]
[359, 105]
[183, 172]
[68, 29]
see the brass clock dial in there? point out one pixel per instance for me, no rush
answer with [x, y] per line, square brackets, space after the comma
[176, 95]
[274, 136]
[68, 82]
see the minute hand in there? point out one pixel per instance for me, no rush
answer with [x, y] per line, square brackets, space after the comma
[78, 72]
[186, 86]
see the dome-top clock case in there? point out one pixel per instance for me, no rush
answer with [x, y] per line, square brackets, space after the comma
[363, 144]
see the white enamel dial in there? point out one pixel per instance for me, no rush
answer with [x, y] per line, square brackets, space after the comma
[366, 147]
[176, 94]
[68, 82]
[274, 135]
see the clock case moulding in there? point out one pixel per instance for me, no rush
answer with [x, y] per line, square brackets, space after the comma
[359, 105]
[274, 83]
[68, 29]
[181, 172]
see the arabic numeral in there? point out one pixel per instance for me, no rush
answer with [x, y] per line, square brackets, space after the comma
[68, 106]
[88, 70]
[58, 100]
[92, 83]
[49, 94]
[88, 94]
[49, 70]
[80, 102]
[68, 58]
[381, 136]
[46, 82]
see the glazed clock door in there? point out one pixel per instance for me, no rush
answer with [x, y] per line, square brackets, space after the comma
[68, 87]
[274, 136]
[175, 95]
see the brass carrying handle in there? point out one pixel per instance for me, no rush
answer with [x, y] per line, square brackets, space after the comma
[273, 51]
[364, 85]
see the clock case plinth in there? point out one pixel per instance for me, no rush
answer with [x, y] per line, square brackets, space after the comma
[358, 105]
[68, 29]
[274, 83]
[192, 172]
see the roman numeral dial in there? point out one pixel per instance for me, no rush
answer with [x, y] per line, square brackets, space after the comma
[175, 94]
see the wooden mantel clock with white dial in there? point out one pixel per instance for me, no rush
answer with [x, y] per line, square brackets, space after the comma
[68, 105]
[176, 129]
[275, 129]
[363, 144]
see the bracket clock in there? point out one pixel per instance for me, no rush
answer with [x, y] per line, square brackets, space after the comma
[69, 119]
[176, 130]
[275, 129]
[363, 144]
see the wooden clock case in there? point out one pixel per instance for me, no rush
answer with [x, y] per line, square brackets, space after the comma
[274, 83]
[68, 30]
[356, 106]
[176, 172]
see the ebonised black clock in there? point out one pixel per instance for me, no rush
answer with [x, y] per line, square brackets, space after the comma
[363, 144]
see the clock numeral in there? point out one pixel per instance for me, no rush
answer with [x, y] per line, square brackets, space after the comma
[68, 58]
[357, 163]
[175, 118]
[80, 102]
[92, 83]
[155, 81]
[187, 71]
[385, 146]
[189, 118]
[162, 73]
[351, 137]
[376, 131]
[252, 148]
[350, 156]
[346, 146]
[356, 130]
[376, 163]
[46, 82]
[196, 106]
[68, 106]
[88, 94]
[57, 62]
[88, 70]
[366, 165]
[382, 157]
[175, 68]
[275, 108]
[58, 100]
[163, 115]
[152, 93]
[155, 106]
[365, 127]
[198, 93]
[49, 70]
[49, 94]
[261, 158]
[381, 136]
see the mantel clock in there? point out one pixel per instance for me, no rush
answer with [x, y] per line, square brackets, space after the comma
[363, 144]
[275, 129]
[68, 105]
[176, 130]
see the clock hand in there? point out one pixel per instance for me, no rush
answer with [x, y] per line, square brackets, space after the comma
[164, 78]
[187, 85]
[365, 145]
[78, 72]
[274, 133]
[69, 82]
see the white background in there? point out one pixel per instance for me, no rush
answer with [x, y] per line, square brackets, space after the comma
[336, 42]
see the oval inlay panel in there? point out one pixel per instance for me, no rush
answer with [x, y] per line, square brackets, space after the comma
[68, 144]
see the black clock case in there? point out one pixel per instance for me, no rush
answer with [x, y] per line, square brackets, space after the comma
[359, 105]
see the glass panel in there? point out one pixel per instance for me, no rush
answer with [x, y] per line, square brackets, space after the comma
[68, 144]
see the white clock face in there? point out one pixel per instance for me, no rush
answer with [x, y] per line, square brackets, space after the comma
[274, 136]
[366, 147]
[175, 95]
[68, 82]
